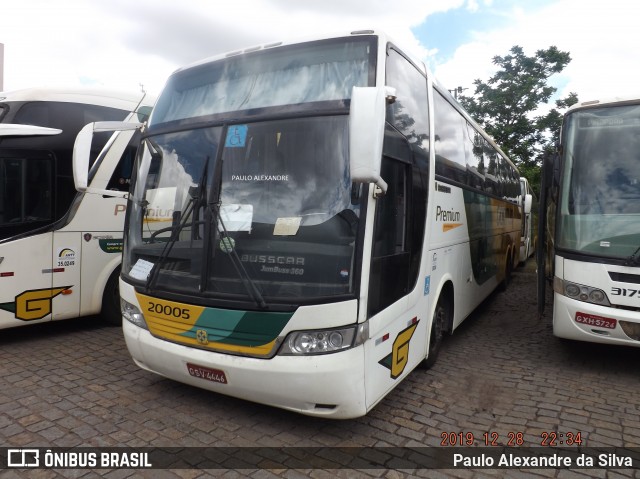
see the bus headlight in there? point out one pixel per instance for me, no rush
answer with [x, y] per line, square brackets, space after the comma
[580, 292]
[302, 343]
[131, 313]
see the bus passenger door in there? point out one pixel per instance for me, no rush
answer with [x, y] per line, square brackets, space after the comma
[26, 185]
[397, 331]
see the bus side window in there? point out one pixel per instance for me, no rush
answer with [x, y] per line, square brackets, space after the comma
[451, 133]
[121, 177]
[409, 112]
[26, 192]
[390, 257]
[391, 211]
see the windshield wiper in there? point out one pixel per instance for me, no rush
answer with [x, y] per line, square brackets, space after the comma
[196, 197]
[175, 233]
[227, 241]
[633, 260]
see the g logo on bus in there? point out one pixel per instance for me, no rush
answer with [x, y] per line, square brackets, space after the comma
[202, 337]
[397, 360]
[33, 304]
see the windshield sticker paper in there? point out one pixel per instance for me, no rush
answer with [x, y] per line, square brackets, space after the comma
[287, 226]
[236, 136]
[236, 217]
[66, 257]
[141, 269]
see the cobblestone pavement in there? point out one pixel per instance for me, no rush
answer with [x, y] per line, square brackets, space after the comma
[73, 384]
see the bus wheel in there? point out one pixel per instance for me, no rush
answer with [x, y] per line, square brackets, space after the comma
[441, 317]
[507, 274]
[111, 301]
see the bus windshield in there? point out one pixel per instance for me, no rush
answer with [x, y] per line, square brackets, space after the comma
[257, 211]
[318, 71]
[235, 204]
[600, 202]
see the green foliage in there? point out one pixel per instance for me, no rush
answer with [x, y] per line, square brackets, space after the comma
[506, 106]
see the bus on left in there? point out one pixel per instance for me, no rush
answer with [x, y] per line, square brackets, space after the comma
[60, 250]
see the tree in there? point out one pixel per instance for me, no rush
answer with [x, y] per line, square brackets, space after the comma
[506, 106]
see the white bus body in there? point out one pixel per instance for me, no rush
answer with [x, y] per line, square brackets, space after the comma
[307, 221]
[529, 236]
[593, 195]
[59, 251]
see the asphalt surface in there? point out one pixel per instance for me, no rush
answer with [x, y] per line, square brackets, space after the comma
[502, 376]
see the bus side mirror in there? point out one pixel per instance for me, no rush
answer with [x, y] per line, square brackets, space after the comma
[82, 150]
[528, 201]
[366, 132]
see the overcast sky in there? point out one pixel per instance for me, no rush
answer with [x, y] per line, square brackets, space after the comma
[122, 43]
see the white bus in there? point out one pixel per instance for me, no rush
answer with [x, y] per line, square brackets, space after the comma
[59, 251]
[529, 236]
[307, 222]
[591, 191]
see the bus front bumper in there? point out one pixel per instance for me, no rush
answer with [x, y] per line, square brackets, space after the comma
[330, 385]
[573, 319]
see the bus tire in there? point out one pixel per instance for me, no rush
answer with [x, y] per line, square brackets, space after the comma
[439, 324]
[508, 267]
[111, 313]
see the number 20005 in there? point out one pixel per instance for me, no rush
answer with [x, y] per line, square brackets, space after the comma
[168, 310]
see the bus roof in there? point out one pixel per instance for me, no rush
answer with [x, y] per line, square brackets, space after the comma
[293, 41]
[608, 101]
[102, 97]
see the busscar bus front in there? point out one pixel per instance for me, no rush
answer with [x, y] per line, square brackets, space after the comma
[597, 246]
[245, 230]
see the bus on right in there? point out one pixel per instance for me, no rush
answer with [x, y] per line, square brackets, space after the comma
[590, 220]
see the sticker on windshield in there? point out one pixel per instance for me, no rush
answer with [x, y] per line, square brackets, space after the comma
[236, 136]
[235, 217]
[227, 244]
[141, 269]
[287, 226]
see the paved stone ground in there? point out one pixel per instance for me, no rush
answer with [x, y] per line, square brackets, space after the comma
[73, 384]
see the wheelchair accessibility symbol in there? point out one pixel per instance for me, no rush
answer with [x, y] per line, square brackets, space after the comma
[236, 136]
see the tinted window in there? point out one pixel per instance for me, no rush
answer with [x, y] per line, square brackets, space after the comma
[465, 156]
[390, 262]
[70, 118]
[26, 186]
[121, 178]
[391, 211]
[409, 113]
[309, 72]
[474, 154]
[451, 136]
